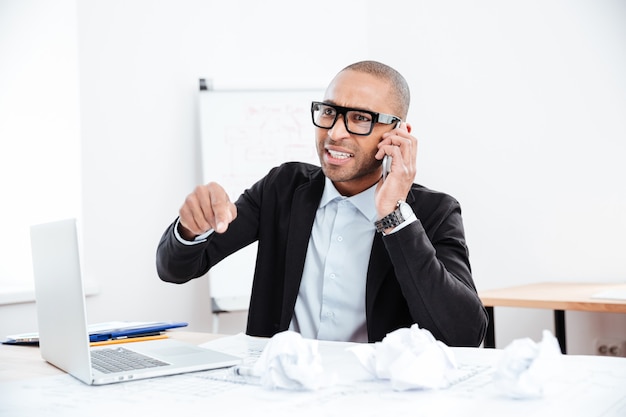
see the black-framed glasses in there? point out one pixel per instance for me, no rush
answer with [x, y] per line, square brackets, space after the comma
[357, 121]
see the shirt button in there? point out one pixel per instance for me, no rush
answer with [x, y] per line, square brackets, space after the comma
[340, 238]
[333, 276]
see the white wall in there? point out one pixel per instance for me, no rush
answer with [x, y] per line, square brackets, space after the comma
[518, 107]
[39, 118]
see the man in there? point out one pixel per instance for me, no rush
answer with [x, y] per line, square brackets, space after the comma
[343, 253]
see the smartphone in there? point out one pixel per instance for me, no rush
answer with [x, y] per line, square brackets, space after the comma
[386, 166]
[387, 160]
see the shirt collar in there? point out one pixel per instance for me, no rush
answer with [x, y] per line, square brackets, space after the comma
[364, 201]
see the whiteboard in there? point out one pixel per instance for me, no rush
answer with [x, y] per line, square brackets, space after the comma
[245, 133]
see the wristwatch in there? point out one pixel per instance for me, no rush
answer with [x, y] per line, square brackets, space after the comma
[395, 218]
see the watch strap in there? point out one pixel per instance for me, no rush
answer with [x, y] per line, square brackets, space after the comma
[393, 219]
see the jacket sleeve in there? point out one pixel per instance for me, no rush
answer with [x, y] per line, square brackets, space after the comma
[177, 262]
[431, 263]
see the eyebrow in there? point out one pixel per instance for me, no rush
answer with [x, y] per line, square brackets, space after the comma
[334, 103]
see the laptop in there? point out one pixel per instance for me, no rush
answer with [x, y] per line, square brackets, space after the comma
[63, 334]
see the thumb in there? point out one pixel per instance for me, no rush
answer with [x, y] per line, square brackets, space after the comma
[222, 221]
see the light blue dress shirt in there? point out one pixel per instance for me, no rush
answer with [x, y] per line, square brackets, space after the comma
[331, 299]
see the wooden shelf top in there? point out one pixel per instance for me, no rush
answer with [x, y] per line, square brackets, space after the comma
[560, 296]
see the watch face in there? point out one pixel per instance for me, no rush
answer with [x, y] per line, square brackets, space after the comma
[406, 210]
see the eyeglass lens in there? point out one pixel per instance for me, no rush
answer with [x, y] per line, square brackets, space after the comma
[357, 122]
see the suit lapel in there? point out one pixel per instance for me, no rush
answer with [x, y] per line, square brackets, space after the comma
[379, 265]
[378, 268]
[306, 200]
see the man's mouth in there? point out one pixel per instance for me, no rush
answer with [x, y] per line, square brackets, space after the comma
[339, 155]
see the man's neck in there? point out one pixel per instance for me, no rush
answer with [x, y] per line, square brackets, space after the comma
[353, 187]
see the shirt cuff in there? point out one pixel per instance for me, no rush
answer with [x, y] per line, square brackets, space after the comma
[198, 239]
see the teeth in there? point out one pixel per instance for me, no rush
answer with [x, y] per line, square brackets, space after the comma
[339, 155]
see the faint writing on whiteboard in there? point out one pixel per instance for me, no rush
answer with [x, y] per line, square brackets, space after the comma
[266, 135]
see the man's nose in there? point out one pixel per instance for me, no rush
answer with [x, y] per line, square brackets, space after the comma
[339, 131]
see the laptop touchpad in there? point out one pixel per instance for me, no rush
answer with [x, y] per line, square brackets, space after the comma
[179, 351]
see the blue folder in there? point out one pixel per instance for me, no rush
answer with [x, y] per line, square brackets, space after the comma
[104, 331]
[143, 330]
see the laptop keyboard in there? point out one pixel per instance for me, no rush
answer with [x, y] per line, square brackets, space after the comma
[120, 359]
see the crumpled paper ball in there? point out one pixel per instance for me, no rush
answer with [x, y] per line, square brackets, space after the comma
[289, 361]
[411, 358]
[525, 366]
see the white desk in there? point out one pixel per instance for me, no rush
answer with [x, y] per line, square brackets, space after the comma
[588, 386]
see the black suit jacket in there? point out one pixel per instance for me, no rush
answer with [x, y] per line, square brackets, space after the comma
[420, 274]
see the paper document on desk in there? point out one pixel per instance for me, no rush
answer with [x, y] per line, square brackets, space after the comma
[409, 358]
[248, 348]
[268, 362]
[611, 295]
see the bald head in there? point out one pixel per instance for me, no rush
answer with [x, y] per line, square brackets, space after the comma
[399, 88]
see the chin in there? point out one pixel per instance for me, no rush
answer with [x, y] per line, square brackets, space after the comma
[333, 173]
